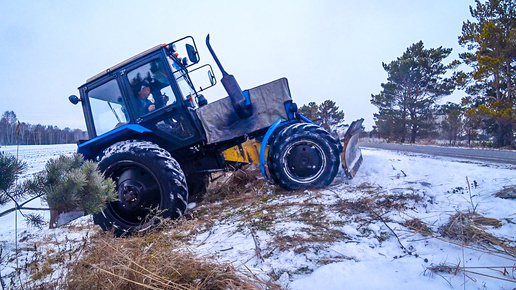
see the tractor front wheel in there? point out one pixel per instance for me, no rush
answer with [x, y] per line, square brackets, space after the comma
[148, 181]
[303, 155]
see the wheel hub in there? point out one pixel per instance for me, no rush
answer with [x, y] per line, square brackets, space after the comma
[305, 161]
[130, 193]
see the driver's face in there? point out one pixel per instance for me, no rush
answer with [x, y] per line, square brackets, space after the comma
[144, 93]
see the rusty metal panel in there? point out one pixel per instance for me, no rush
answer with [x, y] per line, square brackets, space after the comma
[220, 121]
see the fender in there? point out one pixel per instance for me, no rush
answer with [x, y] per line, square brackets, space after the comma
[265, 140]
[91, 148]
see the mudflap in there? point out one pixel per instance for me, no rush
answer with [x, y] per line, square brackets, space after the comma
[351, 153]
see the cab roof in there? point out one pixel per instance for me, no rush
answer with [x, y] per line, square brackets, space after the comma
[121, 64]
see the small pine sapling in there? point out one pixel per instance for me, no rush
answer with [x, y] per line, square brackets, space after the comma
[69, 183]
[10, 169]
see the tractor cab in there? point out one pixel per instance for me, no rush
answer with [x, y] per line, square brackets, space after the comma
[151, 91]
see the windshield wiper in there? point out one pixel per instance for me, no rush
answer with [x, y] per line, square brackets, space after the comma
[114, 112]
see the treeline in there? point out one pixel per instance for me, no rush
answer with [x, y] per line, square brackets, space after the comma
[13, 132]
[408, 103]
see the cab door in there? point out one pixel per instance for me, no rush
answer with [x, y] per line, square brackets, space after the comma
[157, 103]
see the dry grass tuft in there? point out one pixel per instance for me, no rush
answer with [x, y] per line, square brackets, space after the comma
[377, 203]
[232, 185]
[467, 228]
[361, 205]
[418, 226]
[243, 192]
[308, 239]
[484, 221]
[504, 273]
[508, 192]
[156, 260]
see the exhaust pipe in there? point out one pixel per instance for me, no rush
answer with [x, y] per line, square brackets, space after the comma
[241, 104]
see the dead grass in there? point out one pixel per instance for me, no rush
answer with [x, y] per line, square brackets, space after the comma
[238, 184]
[231, 193]
[307, 240]
[245, 196]
[378, 202]
[418, 226]
[316, 231]
[351, 207]
[468, 228]
[157, 260]
[508, 192]
[504, 273]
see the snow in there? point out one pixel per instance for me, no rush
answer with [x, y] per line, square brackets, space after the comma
[368, 255]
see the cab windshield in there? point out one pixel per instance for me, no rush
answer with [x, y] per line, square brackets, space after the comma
[107, 107]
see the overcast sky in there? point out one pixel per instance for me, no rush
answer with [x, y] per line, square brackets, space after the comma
[327, 49]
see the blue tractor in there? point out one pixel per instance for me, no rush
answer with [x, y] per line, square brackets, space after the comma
[152, 131]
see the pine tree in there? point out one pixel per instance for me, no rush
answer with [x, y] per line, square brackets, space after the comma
[453, 123]
[473, 122]
[310, 111]
[491, 38]
[414, 82]
[330, 114]
[326, 115]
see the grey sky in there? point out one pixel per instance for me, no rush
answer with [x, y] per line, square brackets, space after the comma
[326, 49]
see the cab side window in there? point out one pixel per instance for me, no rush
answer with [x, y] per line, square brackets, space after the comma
[150, 88]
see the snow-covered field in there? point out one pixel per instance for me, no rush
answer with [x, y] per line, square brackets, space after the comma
[374, 248]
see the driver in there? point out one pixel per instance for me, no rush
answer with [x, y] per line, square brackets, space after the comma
[146, 105]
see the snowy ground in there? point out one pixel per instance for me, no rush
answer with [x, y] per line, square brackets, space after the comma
[331, 239]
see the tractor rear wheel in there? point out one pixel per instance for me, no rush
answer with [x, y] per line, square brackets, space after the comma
[303, 155]
[148, 181]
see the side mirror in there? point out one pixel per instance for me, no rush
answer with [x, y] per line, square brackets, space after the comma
[193, 55]
[212, 78]
[198, 76]
[74, 99]
[184, 49]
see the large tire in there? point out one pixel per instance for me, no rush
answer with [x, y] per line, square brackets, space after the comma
[147, 178]
[303, 155]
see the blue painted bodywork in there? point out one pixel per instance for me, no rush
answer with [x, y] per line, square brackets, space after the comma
[247, 98]
[89, 148]
[304, 118]
[265, 140]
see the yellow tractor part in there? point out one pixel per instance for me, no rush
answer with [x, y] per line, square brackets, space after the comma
[247, 152]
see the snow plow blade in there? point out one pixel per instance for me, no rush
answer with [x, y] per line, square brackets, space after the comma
[351, 153]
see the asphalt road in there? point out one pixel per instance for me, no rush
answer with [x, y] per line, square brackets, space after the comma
[500, 156]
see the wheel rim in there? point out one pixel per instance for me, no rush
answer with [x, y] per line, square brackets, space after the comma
[138, 192]
[304, 161]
